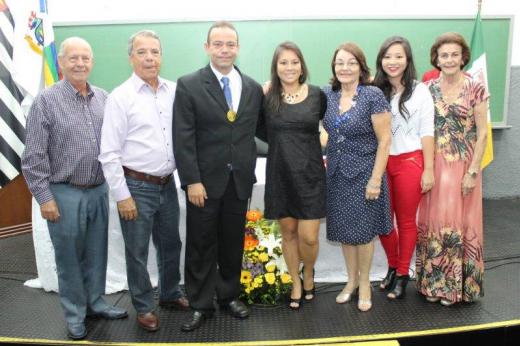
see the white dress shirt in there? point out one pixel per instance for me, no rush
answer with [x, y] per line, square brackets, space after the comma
[407, 134]
[137, 132]
[235, 84]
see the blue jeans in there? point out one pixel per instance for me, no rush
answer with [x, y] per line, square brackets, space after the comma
[157, 215]
[80, 240]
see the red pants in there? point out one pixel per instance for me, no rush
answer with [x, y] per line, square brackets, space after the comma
[404, 181]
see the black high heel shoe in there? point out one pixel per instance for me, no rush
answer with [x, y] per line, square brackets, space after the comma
[389, 280]
[298, 301]
[312, 291]
[399, 290]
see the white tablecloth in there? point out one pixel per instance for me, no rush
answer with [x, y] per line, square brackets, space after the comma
[330, 266]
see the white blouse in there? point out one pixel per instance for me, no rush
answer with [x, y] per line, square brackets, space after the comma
[407, 134]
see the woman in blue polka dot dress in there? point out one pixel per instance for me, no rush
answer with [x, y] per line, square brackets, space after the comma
[359, 133]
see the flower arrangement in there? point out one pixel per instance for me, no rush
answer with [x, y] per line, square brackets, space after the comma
[264, 278]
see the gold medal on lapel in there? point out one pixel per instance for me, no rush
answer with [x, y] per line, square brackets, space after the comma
[231, 115]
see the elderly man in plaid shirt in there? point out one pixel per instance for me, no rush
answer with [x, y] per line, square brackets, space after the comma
[62, 171]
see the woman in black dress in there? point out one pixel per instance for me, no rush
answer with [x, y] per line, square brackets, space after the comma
[295, 174]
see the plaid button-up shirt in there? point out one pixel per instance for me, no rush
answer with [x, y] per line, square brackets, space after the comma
[62, 139]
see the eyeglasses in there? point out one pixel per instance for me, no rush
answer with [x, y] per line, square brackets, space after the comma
[220, 44]
[349, 64]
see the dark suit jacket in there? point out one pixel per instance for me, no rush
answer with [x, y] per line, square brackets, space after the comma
[205, 142]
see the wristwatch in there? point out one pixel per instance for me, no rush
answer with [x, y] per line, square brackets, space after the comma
[472, 174]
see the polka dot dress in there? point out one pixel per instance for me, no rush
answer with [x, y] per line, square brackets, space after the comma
[351, 153]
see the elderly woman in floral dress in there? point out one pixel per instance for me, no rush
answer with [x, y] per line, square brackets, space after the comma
[450, 265]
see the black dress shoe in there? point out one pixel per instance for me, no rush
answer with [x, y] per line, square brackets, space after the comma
[399, 290]
[195, 321]
[389, 280]
[110, 313]
[236, 308]
[76, 331]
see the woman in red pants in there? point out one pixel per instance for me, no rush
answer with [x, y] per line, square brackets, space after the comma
[410, 165]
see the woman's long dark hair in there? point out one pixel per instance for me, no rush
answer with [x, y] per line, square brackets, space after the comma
[274, 95]
[409, 76]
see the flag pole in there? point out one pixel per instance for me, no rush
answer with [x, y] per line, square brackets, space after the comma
[478, 70]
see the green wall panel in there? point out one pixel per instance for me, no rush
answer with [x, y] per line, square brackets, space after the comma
[183, 46]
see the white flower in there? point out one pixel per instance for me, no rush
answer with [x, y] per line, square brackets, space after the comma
[280, 264]
[259, 233]
[270, 243]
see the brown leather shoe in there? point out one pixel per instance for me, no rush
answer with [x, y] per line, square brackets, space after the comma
[148, 321]
[181, 303]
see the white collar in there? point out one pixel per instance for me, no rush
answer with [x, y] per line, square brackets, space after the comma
[138, 82]
[231, 75]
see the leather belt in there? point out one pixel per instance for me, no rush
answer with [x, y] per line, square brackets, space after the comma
[147, 177]
[84, 187]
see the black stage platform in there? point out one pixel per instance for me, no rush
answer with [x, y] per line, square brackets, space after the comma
[34, 316]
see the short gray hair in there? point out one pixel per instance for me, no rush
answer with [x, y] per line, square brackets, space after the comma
[142, 33]
[71, 40]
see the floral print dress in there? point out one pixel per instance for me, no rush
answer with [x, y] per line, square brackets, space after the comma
[450, 246]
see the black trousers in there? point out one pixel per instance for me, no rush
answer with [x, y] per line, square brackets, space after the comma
[214, 249]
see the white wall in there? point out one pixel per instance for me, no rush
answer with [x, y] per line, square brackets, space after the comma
[74, 11]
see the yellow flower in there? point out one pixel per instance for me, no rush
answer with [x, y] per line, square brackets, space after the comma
[270, 278]
[255, 284]
[270, 267]
[245, 277]
[259, 280]
[247, 290]
[263, 257]
[286, 278]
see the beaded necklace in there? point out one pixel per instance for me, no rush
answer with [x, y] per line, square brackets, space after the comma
[291, 98]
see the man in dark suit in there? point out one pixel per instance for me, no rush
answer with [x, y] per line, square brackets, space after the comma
[215, 117]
